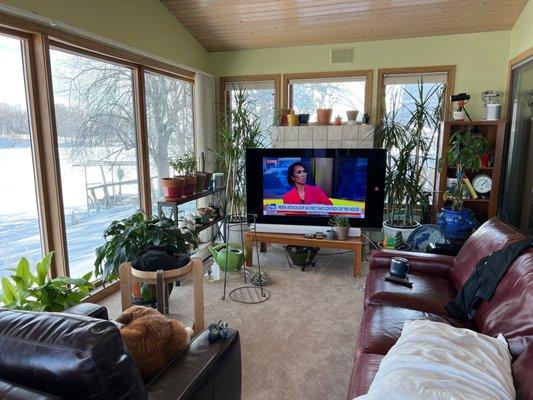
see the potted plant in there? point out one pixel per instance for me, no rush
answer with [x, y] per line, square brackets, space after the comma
[464, 152]
[240, 129]
[302, 256]
[208, 175]
[186, 167]
[341, 225]
[323, 116]
[408, 133]
[125, 239]
[25, 290]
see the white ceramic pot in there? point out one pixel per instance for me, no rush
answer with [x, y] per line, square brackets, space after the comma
[390, 231]
[342, 232]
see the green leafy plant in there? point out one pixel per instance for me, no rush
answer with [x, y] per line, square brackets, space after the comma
[126, 238]
[408, 132]
[464, 151]
[240, 130]
[185, 165]
[25, 290]
[339, 220]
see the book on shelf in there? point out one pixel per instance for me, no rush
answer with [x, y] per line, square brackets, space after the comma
[470, 188]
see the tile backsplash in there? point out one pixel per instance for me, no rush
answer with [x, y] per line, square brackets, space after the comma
[317, 136]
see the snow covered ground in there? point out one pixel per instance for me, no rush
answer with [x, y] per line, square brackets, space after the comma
[19, 227]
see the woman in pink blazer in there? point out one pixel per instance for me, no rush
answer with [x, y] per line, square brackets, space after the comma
[301, 193]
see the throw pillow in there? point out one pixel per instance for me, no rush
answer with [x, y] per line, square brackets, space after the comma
[151, 338]
[433, 360]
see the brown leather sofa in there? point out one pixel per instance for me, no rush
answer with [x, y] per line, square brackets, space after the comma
[436, 280]
[79, 354]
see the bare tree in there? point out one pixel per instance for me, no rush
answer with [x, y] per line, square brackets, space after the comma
[100, 94]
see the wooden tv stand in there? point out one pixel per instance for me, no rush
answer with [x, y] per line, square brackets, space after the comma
[352, 243]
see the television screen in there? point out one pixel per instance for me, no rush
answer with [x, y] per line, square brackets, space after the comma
[308, 186]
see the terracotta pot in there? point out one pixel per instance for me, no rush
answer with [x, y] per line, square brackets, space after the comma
[352, 115]
[208, 179]
[173, 187]
[324, 116]
[190, 184]
[200, 180]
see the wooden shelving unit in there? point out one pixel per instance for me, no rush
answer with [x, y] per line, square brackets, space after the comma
[494, 133]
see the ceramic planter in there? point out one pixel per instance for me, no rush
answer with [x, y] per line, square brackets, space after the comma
[200, 182]
[352, 115]
[190, 185]
[173, 187]
[456, 224]
[208, 179]
[324, 116]
[303, 119]
[342, 232]
[390, 230]
[292, 120]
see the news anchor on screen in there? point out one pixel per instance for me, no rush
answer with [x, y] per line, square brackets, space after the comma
[301, 193]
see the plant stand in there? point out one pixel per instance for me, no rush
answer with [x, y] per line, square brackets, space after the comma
[248, 294]
[161, 279]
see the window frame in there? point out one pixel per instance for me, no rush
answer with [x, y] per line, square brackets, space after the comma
[38, 39]
[366, 73]
[224, 95]
[450, 83]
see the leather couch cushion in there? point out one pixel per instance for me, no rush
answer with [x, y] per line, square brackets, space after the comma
[365, 368]
[382, 326]
[10, 391]
[74, 357]
[429, 292]
[510, 311]
[491, 236]
[522, 368]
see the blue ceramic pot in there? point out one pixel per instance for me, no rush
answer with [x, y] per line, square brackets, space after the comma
[303, 119]
[456, 224]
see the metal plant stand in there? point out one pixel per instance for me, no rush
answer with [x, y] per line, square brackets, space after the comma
[248, 294]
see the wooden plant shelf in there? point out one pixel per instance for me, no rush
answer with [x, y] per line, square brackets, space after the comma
[494, 132]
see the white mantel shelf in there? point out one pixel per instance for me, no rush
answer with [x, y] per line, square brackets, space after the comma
[319, 136]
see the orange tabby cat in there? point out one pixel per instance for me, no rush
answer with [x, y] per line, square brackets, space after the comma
[151, 338]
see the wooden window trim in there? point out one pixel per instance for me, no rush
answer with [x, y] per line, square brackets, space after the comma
[224, 101]
[37, 40]
[367, 73]
[73, 41]
[506, 114]
[450, 84]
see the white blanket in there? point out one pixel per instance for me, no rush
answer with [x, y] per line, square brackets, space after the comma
[432, 360]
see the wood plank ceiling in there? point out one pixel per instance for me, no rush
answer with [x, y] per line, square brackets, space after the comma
[247, 24]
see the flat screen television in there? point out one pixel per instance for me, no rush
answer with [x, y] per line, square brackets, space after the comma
[308, 186]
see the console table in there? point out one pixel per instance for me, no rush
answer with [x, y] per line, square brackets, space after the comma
[352, 243]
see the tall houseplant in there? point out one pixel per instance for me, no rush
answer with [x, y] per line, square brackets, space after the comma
[456, 222]
[240, 130]
[408, 133]
[126, 238]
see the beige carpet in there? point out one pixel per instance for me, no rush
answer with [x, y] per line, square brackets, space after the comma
[300, 343]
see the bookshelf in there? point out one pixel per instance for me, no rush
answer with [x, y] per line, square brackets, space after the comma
[494, 133]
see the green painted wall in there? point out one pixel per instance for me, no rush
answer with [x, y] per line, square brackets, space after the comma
[481, 60]
[142, 24]
[522, 32]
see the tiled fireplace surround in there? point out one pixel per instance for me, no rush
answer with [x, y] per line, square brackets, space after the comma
[317, 136]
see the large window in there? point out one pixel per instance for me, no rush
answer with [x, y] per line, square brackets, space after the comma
[169, 113]
[262, 95]
[404, 90]
[96, 138]
[19, 218]
[340, 91]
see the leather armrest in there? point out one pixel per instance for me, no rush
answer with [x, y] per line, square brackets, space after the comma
[88, 310]
[203, 370]
[434, 264]
[12, 391]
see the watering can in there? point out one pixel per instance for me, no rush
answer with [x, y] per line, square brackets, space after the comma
[234, 257]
